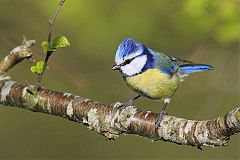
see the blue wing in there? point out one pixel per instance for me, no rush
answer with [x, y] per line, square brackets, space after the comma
[164, 63]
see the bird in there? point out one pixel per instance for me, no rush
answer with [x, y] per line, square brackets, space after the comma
[152, 74]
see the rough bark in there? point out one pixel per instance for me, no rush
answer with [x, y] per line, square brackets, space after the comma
[112, 120]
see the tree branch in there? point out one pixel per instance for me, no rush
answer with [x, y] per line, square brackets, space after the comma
[17, 55]
[112, 120]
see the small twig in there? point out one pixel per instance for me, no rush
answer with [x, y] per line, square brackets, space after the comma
[51, 22]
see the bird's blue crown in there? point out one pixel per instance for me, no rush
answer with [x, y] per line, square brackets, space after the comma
[127, 47]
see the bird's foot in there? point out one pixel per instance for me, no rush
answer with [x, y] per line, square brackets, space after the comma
[160, 118]
[126, 104]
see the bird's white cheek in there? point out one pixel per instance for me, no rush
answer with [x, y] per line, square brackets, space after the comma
[135, 66]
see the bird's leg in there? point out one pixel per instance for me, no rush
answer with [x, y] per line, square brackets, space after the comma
[130, 102]
[163, 112]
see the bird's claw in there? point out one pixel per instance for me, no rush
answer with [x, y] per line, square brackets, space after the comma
[124, 105]
[129, 103]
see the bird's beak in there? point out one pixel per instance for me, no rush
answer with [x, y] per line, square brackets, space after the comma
[116, 67]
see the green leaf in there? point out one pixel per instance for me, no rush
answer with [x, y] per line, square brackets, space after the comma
[45, 46]
[40, 64]
[33, 69]
[59, 42]
[38, 68]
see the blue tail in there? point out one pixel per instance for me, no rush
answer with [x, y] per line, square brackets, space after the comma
[191, 68]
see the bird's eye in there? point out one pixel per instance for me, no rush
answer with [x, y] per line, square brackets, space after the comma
[127, 61]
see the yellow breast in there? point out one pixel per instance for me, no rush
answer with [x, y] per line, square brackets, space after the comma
[154, 84]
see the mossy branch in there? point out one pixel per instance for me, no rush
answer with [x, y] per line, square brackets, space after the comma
[112, 120]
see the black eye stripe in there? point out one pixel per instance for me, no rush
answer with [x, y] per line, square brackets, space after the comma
[127, 61]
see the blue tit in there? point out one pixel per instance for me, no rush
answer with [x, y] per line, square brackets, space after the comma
[152, 74]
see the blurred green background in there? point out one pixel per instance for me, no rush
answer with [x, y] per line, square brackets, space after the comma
[204, 31]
